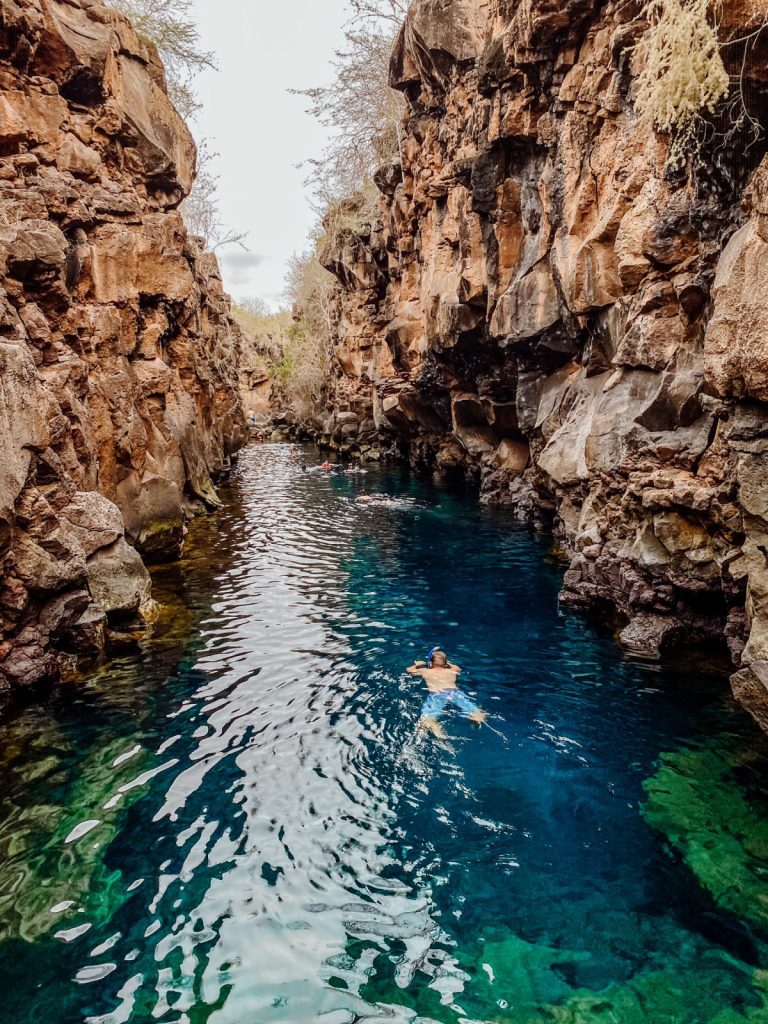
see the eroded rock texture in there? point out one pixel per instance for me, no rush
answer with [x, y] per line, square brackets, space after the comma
[544, 306]
[118, 394]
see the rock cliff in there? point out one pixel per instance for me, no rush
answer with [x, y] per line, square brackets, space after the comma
[546, 307]
[117, 350]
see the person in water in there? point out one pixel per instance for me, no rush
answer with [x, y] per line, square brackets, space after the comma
[363, 496]
[326, 465]
[440, 676]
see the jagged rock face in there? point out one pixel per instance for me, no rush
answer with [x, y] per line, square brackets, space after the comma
[547, 307]
[118, 354]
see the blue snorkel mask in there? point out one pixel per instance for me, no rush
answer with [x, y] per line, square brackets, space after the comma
[437, 647]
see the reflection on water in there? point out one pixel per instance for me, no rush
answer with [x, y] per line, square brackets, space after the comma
[237, 822]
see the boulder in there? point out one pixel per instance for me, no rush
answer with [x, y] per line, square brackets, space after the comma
[512, 456]
[648, 636]
[95, 521]
[118, 581]
[736, 346]
[750, 688]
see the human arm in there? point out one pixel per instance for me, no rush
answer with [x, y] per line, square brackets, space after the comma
[454, 668]
[416, 668]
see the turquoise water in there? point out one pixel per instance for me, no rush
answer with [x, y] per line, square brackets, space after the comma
[236, 822]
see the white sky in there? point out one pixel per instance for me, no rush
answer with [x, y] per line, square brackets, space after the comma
[260, 131]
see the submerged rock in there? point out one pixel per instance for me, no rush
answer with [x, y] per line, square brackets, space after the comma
[695, 803]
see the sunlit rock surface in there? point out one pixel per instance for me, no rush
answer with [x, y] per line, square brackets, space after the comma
[545, 307]
[117, 350]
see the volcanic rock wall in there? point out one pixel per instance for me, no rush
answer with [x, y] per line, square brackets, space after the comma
[118, 389]
[547, 307]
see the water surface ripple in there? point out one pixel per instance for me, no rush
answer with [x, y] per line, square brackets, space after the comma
[236, 821]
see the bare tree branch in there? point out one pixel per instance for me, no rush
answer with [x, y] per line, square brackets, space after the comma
[201, 207]
[359, 108]
[170, 26]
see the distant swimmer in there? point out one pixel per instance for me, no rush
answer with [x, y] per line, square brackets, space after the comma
[326, 465]
[440, 676]
[384, 500]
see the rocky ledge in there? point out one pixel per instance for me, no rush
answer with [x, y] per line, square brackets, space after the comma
[118, 354]
[547, 308]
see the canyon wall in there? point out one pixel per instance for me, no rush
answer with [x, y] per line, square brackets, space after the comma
[546, 307]
[118, 355]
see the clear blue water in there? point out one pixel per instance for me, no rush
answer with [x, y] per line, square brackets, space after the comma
[237, 822]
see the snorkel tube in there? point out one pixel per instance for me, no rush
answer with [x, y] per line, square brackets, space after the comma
[437, 647]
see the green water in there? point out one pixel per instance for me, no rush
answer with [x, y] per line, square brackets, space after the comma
[237, 822]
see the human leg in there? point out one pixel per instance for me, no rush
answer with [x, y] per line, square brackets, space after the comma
[468, 707]
[431, 725]
[431, 709]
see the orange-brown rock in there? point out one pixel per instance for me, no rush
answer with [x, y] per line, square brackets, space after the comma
[118, 388]
[547, 306]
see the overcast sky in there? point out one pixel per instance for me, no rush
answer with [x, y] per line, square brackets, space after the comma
[260, 131]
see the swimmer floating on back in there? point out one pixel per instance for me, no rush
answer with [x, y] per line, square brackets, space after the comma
[440, 676]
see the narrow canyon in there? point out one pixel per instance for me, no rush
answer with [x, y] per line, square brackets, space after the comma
[544, 304]
[365, 646]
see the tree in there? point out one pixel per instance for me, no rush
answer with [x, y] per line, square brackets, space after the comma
[201, 207]
[359, 108]
[363, 115]
[308, 349]
[377, 11]
[254, 306]
[310, 289]
[170, 26]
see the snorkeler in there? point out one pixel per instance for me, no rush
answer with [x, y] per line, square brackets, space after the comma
[363, 496]
[440, 676]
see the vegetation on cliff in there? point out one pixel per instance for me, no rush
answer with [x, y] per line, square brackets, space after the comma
[361, 112]
[683, 82]
[292, 348]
